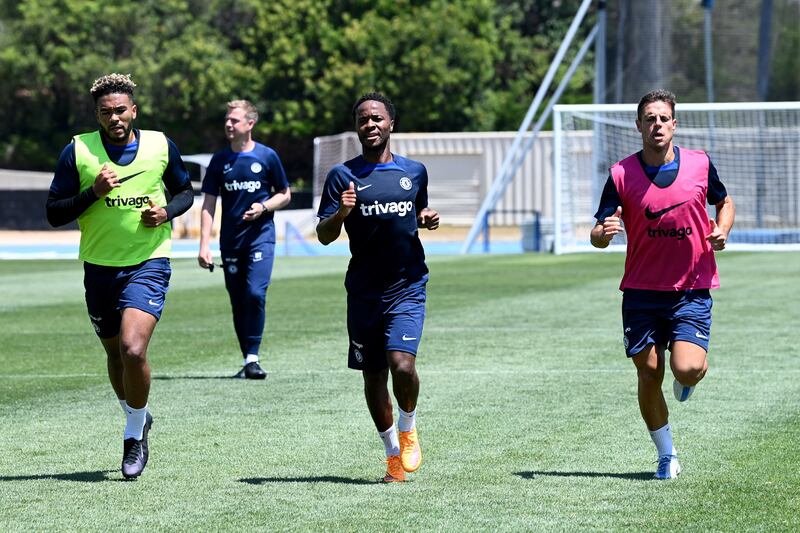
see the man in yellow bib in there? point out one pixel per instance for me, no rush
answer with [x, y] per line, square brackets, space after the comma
[114, 182]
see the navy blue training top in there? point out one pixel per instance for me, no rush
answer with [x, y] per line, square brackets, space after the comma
[241, 179]
[387, 254]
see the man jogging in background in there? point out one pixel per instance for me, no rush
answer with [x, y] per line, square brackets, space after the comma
[250, 178]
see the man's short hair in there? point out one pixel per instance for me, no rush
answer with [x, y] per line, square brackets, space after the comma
[378, 97]
[660, 95]
[250, 111]
[112, 84]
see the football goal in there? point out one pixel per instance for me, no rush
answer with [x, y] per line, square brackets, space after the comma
[754, 146]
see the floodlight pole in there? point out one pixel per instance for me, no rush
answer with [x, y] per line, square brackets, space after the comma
[519, 157]
[708, 5]
[762, 89]
[599, 96]
[620, 52]
[504, 176]
[600, 55]
[764, 50]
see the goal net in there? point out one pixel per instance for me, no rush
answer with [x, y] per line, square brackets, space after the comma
[754, 146]
[328, 152]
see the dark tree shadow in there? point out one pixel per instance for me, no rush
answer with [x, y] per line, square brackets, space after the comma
[97, 476]
[618, 475]
[308, 479]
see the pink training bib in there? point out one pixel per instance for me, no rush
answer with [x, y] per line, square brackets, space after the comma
[666, 227]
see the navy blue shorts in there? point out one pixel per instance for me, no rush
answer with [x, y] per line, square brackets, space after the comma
[109, 290]
[661, 317]
[380, 324]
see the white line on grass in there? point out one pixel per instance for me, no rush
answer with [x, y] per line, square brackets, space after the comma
[224, 373]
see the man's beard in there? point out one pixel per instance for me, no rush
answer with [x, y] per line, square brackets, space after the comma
[126, 134]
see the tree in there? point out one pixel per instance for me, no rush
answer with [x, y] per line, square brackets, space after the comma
[52, 50]
[461, 65]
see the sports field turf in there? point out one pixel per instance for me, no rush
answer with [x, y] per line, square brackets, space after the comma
[527, 416]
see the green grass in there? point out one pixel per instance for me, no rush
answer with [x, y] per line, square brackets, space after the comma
[527, 412]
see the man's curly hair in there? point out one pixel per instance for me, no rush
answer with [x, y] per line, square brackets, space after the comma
[378, 97]
[112, 84]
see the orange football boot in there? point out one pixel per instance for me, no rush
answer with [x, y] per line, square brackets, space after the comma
[394, 470]
[410, 452]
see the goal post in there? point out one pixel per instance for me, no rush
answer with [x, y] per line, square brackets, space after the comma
[330, 151]
[755, 147]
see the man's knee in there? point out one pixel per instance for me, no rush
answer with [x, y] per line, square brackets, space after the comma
[689, 363]
[650, 376]
[114, 358]
[689, 373]
[374, 379]
[650, 370]
[649, 366]
[255, 297]
[133, 350]
[403, 365]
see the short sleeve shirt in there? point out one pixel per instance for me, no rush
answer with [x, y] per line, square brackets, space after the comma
[384, 240]
[241, 179]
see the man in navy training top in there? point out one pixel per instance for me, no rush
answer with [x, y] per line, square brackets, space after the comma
[382, 200]
[250, 178]
[113, 181]
[661, 193]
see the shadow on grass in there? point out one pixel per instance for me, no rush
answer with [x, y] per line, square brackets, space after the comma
[170, 377]
[308, 479]
[97, 476]
[618, 475]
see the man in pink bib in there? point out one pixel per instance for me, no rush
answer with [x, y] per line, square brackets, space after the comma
[661, 194]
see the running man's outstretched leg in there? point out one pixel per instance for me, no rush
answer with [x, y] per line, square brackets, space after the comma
[650, 371]
[379, 403]
[114, 364]
[405, 384]
[135, 331]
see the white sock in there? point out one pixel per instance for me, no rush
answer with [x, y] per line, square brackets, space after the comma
[123, 405]
[251, 358]
[406, 421]
[135, 424]
[662, 438]
[391, 443]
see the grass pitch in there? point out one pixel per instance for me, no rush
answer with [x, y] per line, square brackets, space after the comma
[527, 414]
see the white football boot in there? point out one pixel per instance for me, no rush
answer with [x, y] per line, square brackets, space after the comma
[668, 467]
[682, 392]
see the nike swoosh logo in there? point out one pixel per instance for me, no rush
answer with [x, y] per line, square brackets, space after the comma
[151, 302]
[654, 215]
[409, 338]
[126, 178]
[699, 335]
[362, 187]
